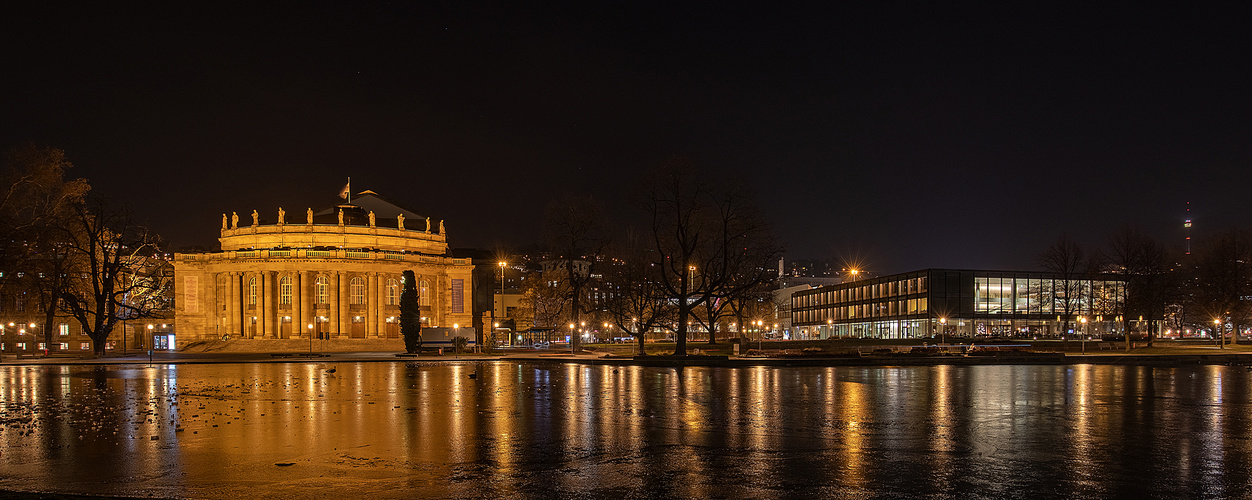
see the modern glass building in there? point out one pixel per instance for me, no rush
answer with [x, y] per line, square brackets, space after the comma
[962, 303]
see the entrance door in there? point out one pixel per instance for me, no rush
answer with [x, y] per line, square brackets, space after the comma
[358, 327]
[393, 328]
[284, 328]
[252, 329]
[320, 325]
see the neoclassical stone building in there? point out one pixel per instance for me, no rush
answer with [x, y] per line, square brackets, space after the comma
[335, 273]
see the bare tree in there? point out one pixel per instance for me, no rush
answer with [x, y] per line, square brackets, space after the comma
[636, 303]
[543, 302]
[35, 198]
[1223, 279]
[1068, 261]
[1142, 263]
[710, 239]
[574, 228]
[118, 270]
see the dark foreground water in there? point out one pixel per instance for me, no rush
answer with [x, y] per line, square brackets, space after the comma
[551, 430]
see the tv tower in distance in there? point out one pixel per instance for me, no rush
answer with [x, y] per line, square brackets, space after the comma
[1186, 228]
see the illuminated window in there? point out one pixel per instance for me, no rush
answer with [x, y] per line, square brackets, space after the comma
[65, 346]
[63, 329]
[323, 297]
[85, 346]
[393, 291]
[425, 291]
[284, 290]
[356, 288]
[252, 291]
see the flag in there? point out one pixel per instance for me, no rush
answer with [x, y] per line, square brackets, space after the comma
[343, 193]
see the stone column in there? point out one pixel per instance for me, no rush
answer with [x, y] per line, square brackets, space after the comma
[232, 304]
[213, 313]
[335, 304]
[263, 305]
[380, 305]
[345, 312]
[371, 305]
[301, 319]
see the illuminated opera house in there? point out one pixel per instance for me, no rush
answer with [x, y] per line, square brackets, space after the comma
[334, 273]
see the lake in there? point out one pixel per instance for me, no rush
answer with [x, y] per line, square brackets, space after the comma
[542, 430]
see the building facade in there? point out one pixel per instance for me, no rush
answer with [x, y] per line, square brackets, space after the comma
[336, 274]
[962, 303]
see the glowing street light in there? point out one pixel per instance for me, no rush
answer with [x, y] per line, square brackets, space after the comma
[1221, 336]
[1086, 333]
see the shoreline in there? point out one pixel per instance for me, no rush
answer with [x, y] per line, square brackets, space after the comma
[1216, 358]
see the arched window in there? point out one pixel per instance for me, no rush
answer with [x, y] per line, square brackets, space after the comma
[393, 291]
[323, 295]
[356, 287]
[424, 288]
[252, 291]
[284, 290]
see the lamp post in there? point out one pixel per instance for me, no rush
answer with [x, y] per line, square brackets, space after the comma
[310, 339]
[829, 323]
[493, 333]
[1221, 336]
[571, 338]
[943, 330]
[1083, 320]
[759, 334]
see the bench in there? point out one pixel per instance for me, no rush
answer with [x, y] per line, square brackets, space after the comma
[1106, 345]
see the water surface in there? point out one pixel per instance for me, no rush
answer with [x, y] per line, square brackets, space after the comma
[538, 430]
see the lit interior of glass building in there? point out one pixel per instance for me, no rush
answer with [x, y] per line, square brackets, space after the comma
[962, 304]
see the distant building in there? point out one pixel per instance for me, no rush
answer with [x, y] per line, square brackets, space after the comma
[965, 303]
[335, 273]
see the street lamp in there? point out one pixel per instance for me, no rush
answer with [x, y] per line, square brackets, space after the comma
[829, 322]
[502, 264]
[1083, 320]
[759, 334]
[943, 330]
[310, 339]
[1221, 337]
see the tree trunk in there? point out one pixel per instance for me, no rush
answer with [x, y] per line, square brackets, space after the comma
[49, 317]
[1126, 331]
[1065, 334]
[639, 335]
[680, 334]
[97, 344]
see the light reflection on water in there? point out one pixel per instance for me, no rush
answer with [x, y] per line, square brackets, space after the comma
[533, 430]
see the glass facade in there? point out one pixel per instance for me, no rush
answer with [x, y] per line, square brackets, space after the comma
[969, 303]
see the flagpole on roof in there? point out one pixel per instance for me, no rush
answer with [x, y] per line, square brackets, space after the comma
[350, 193]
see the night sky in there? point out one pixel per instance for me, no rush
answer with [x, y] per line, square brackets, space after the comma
[900, 139]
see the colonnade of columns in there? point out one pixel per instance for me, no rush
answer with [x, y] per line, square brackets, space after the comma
[270, 318]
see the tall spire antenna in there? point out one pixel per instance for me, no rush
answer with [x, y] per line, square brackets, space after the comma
[1186, 228]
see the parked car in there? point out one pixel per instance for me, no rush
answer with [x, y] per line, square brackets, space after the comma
[541, 345]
